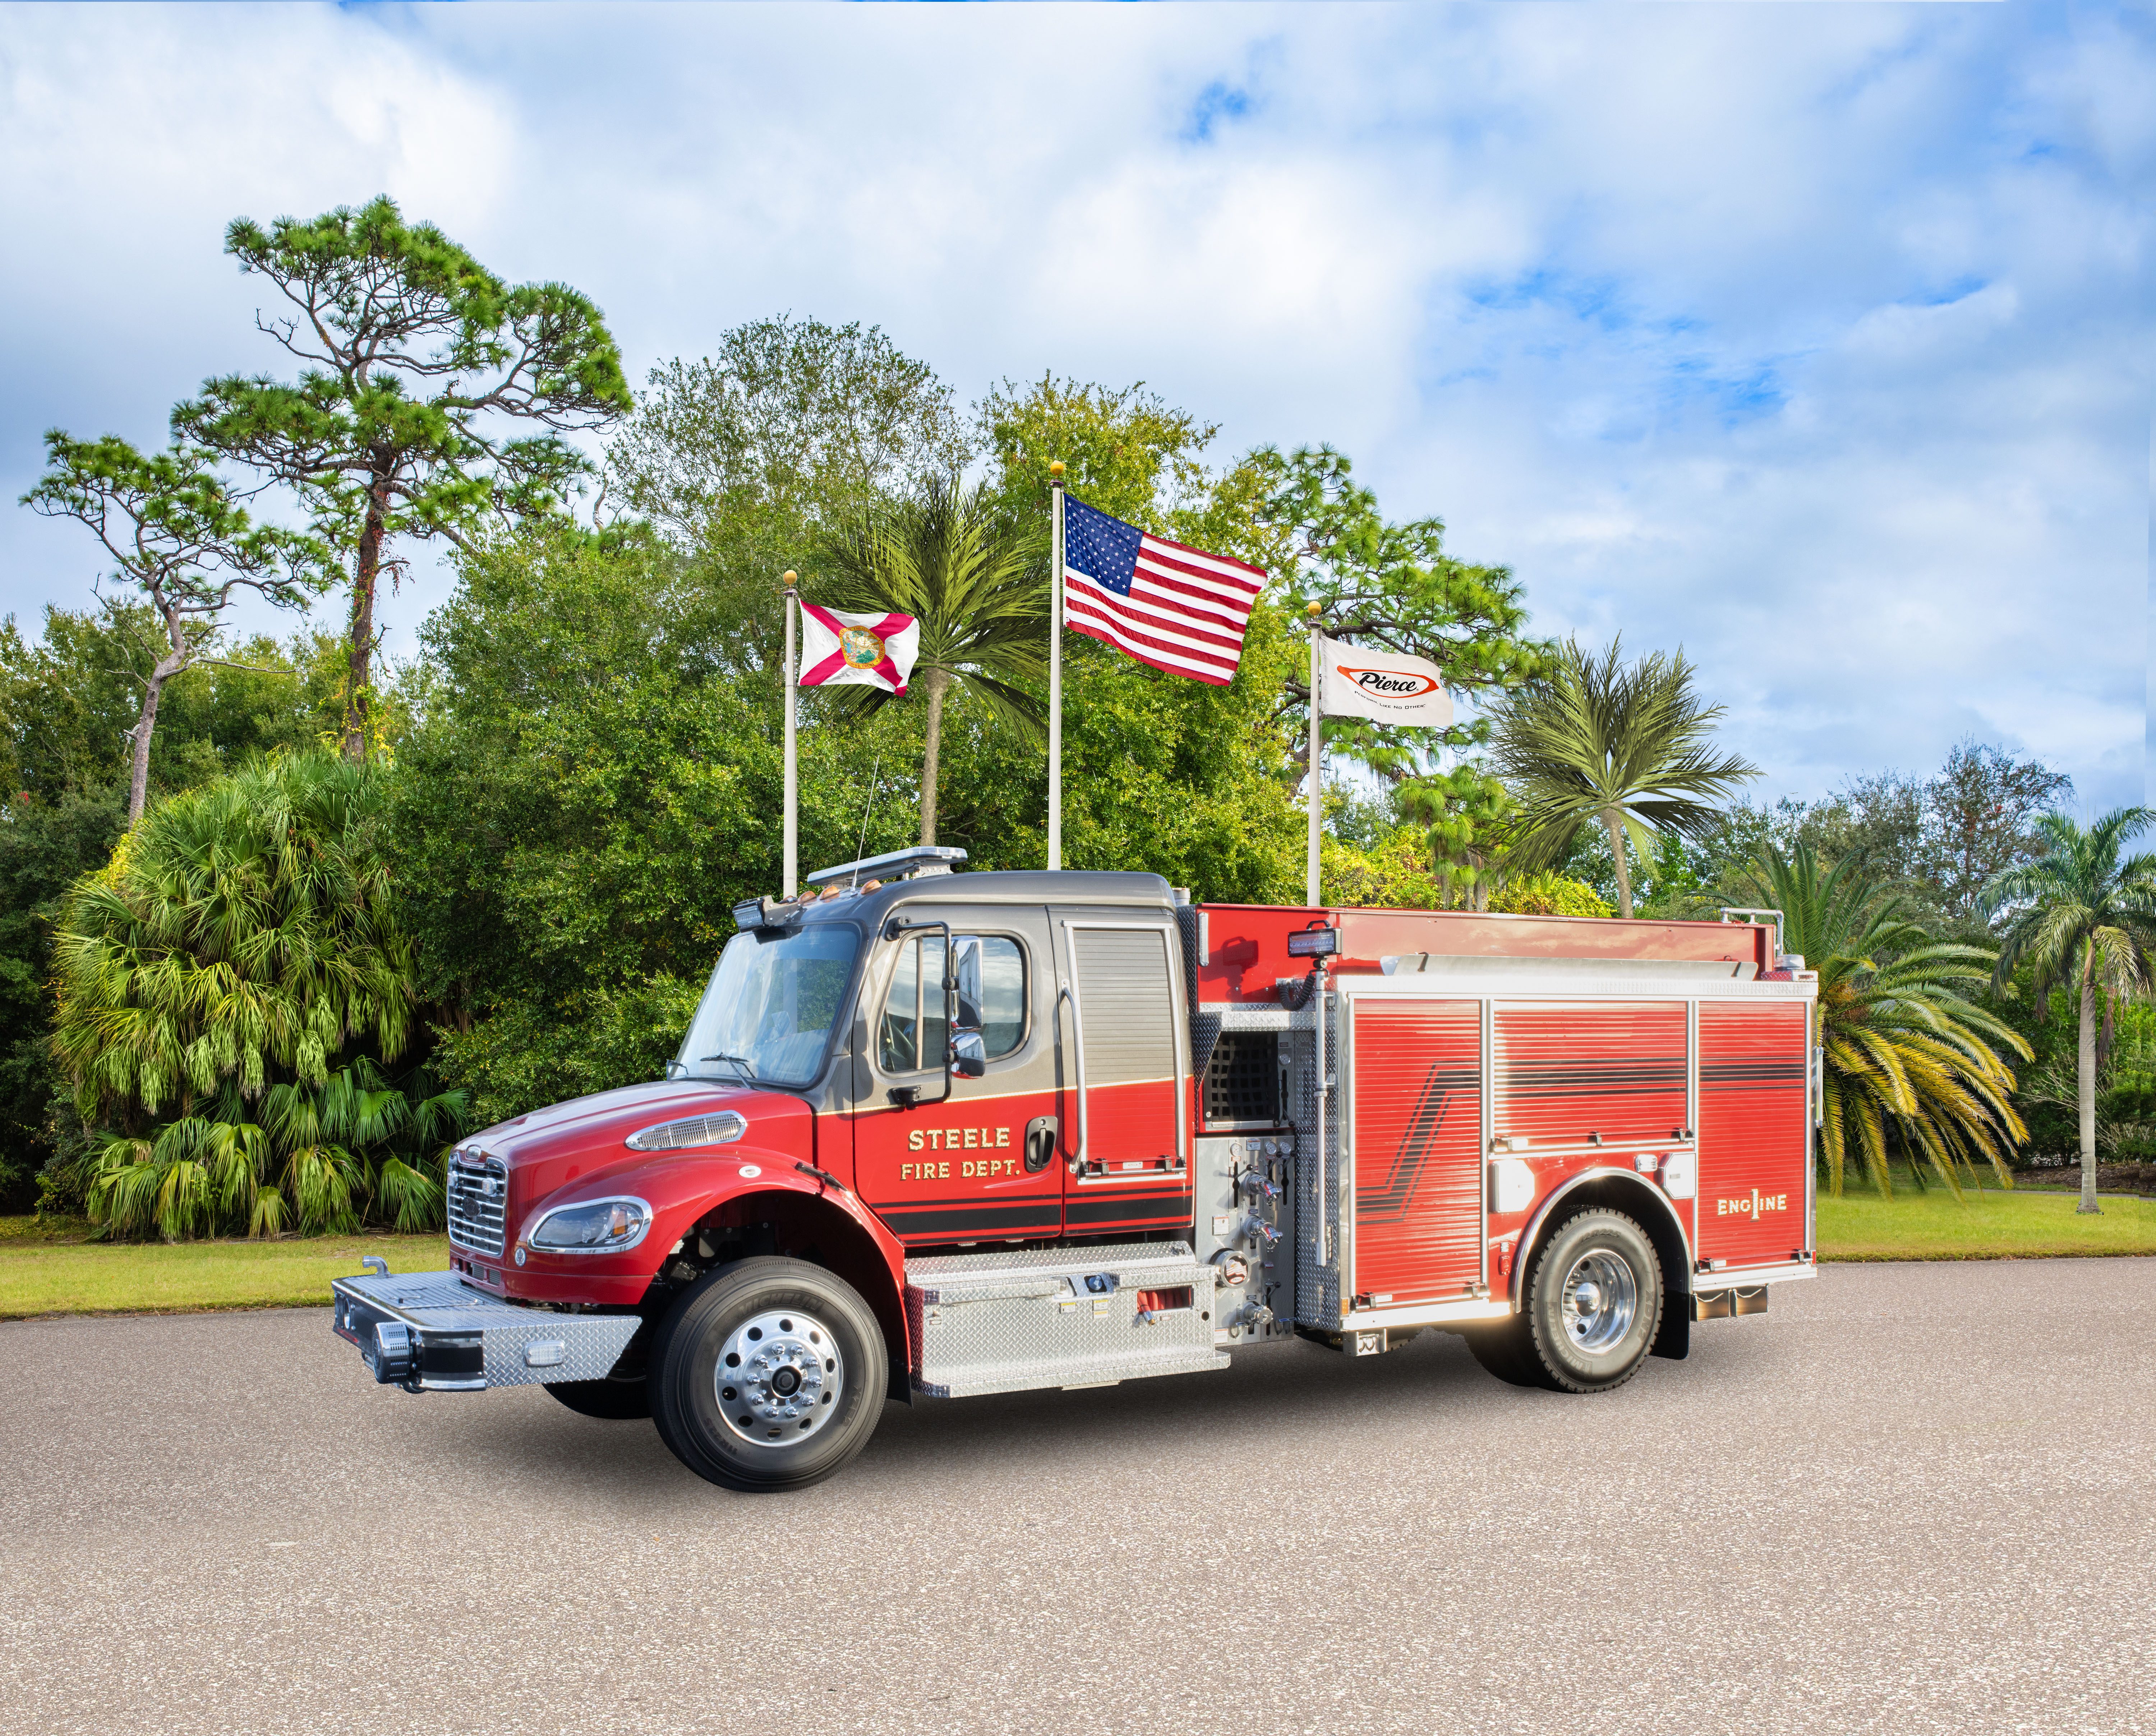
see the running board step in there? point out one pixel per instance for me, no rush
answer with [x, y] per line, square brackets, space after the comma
[1062, 1317]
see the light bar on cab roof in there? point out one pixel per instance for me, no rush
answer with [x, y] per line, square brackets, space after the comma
[893, 865]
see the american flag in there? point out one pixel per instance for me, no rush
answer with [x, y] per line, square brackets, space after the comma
[1177, 608]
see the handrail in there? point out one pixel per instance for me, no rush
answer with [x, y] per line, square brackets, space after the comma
[1069, 993]
[1781, 923]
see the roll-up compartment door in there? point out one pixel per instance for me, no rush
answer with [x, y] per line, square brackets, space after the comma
[1418, 1149]
[1752, 1148]
[1569, 1074]
[1135, 1173]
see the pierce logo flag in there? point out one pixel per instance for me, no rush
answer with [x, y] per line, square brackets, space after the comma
[1386, 686]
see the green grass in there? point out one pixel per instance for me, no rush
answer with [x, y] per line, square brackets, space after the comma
[51, 1270]
[1990, 1225]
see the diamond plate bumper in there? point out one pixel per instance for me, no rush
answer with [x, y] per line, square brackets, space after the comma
[430, 1332]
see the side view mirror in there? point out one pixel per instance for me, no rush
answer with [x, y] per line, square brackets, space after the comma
[969, 1054]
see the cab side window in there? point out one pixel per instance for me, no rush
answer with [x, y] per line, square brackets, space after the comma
[910, 1037]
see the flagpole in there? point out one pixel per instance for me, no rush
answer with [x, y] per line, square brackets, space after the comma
[791, 872]
[1055, 666]
[1316, 755]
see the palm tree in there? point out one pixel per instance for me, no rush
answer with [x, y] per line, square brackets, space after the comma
[317, 1159]
[1627, 746]
[245, 926]
[1904, 1047]
[980, 598]
[219, 984]
[2079, 913]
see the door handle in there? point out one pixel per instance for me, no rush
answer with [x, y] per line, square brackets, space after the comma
[1041, 1135]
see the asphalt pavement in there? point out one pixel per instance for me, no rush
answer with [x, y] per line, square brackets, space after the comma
[1910, 1497]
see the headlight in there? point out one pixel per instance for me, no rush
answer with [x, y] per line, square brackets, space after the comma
[596, 1226]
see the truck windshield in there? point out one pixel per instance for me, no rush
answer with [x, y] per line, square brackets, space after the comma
[772, 1001]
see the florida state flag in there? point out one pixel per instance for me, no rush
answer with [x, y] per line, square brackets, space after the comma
[838, 648]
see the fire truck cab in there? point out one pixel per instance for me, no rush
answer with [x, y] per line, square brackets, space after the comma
[934, 1134]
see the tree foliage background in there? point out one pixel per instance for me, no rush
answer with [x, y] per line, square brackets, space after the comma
[579, 774]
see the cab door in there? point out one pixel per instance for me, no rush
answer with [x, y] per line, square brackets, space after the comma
[974, 1160]
[1119, 1008]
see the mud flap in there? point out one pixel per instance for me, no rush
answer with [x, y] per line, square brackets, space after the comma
[1674, 1339]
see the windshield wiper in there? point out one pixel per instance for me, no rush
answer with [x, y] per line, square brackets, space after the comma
[740, 1063]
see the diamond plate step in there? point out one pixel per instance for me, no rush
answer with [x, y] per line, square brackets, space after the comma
[1066, 1317]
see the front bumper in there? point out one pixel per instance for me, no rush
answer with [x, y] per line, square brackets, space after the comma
[431, 1332]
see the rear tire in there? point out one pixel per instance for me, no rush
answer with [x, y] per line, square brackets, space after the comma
[767, 1374]
[608, 1400]
[1594, 1305]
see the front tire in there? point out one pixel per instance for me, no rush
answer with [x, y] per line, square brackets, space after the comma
[767, 1374]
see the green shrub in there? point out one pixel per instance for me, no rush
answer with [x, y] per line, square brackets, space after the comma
[230, 989]
[1548, 895]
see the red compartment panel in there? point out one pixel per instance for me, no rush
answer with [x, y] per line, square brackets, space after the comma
[1752, 1104]
[1417, 1127]
[1565, 1070]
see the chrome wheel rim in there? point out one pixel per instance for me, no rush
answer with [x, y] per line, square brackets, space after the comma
[1601, 1300]
[778, 1378]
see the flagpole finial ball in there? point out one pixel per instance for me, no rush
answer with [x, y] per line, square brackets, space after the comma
[1315, 610]
[1055, 468]
[788, 578]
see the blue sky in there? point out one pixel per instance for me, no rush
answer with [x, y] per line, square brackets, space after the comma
[1813, 338]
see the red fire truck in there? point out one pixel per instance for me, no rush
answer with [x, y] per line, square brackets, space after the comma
[935, 1134]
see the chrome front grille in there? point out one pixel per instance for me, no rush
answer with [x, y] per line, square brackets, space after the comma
[479, 1201]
